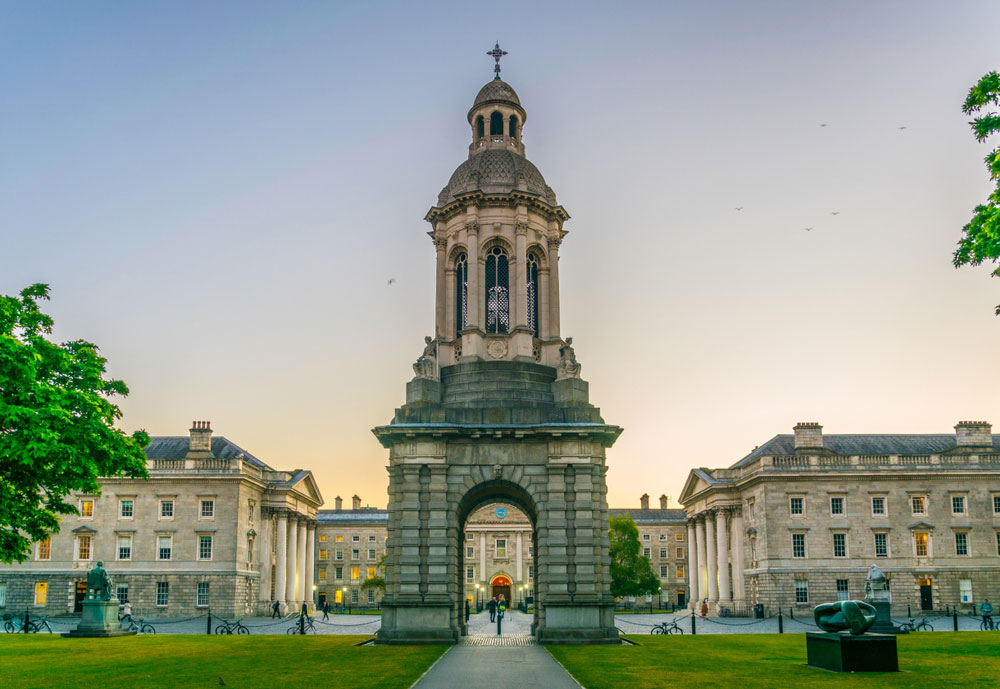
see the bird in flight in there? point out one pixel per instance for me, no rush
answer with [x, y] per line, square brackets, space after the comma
[835, 213]
[902, 127]
[823, 125]
[390, 281]
[739, 208]
[809, 229]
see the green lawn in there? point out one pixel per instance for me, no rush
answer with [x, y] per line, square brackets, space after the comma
[968, 660]
[243, 662]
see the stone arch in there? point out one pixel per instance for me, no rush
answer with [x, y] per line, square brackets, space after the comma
[543, 257]
[494, 242]
[454, 253]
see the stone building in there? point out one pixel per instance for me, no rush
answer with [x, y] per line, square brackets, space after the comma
[799, 520]
[213, 526]
[350, 545]
[663, 537]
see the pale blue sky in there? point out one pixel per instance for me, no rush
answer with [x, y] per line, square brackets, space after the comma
[218, 193]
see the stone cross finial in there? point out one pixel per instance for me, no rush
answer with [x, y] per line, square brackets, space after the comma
[496, 54]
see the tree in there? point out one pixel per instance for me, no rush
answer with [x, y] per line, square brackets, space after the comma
[56, 425]
[376, 582]
[631, 573]
[981, 240]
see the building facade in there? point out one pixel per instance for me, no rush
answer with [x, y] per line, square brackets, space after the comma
[799, 520]
[663, 538]
[213, 527]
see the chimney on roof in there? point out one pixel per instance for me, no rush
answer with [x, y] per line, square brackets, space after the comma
[200, 444]
[663, 502]
[644, 501]
[338, 503]
[808, 435]
[356, 502]
[973, 434]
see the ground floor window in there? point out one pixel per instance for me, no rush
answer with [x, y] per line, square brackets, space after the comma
[965, 590]
[371, 595]
[998, 542]
[41, 592]
[121, 593]
[801, 591]
[162, 593]
[842, 593]
[354, 596]
[203, 589]
[3, 594]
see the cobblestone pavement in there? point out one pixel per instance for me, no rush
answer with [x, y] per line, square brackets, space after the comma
[513, 623]
[642, 624]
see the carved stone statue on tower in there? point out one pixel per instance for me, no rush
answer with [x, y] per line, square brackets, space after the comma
[568, 366]
[426, 365]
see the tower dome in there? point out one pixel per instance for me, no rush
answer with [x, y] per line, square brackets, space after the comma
[494, 92]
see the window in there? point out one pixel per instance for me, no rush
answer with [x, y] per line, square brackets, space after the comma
[87, 509]
[83, 548]
[470, 574]
[920, 541]
[205, 547]
[496, 123]
[839, 545]
[680, 554]
[965, 590]
[645, 552]
[918, 503]
[126, 509]
[355, 539]
[202, 600]
[340, 554]
[680, 572]
[371, 553]
[958, 504]
[371, 572]
[355, 554]
[121, 593]
[501, 550]
[322, 539]
[338, 573]
[497, 292]
[322, 575]
[41, 592]
[961, 543]
[3, 594]
[250, 513]
[340, 539]
[322, 553]
[124, 547]
[480, 127]
[645, 537]
[996, 504]
[512, 126]
[354, 573]
[531, 568]
[751, 510]
[354, 596]
[166, 509]
[162, 593]
[842, 593]
[798, 545]
[663, 553]
[371, 539]
[795, 506]
[164, 546]
[207, 509]
[470, 551]
[881, 545]
[801, 591]
[469, 537]
[663, 571]
[878, 506]
[371, 596]
[461, 295]
[532, 290]
[837, 506]
[45, 549]
[250, 549]
[998, 543]
[678, 536]
[531, 550]
[663, 536]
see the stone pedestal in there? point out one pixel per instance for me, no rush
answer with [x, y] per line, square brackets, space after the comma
[414, 622]
[842, 652]
[883, 619]
[100, 618]
[573, 623]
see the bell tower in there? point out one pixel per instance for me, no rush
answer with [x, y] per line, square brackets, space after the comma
[497, 410]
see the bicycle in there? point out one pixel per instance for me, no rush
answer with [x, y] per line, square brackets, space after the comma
[228, 627]
[307, 627]
[139, 626]
[15, 624]
[911, 626]
[667, 628]
[988, 625]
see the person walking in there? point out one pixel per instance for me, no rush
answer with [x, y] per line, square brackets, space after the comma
[326, 610]
[704, 609]
[275, 607]
[492, 606]
[305, 609]
[466, 611]
[986, 610]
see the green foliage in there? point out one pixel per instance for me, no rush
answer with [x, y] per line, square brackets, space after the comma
[981, 240]
[376, 582]
[631, 572]
[56, 425]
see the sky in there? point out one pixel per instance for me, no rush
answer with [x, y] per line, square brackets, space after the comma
[218, 194]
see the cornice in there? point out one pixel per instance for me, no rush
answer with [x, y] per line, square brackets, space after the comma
[511, 199]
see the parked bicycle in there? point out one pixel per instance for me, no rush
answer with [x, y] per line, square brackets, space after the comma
[307, 627]
[15, 624]
[234, 627]
[988, 625]
[667, 628]
[139, 626]
[922, 626]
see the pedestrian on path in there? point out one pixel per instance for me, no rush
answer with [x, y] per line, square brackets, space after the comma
[275, 607]
[492, 605]
[326, 610]
[467, 611]
[305, 609]
[704, 609]
[986, 610]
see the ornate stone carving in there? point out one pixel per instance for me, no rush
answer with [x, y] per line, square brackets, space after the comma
[521, 228]
[876, 586]
[472, 227]
[568, 366]
[426, 365]
[496, 348]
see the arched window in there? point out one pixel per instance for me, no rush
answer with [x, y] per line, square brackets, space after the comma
[533, 293]
[461, 293]
[512, 127]
[496, 124]
[480, 127]
[497, 292]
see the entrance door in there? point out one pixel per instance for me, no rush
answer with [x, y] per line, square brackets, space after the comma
[681, 599]
[79, 596]
[322, 600]
[500, 586]
[926, 595]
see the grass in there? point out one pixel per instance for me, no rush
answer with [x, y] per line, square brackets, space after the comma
[182, 661]
[970, 660]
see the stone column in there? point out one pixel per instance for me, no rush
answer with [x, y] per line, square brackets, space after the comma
[293, 537]
[310, 563]
[711, 560]
[519, 575]
[723, 555]
[702, 573]
[281, 557]
[692, 572]
[554, 287]
[262, 558]
[472, 229]
[450, 307]
[543, 303]
[739, 589]
[482, 557]
[300, 564]
[440, 326]
[521, 275]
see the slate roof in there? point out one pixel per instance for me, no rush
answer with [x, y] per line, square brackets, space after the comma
[639, 516]
[176, 447]
[496, 91]
[876, 444]
[366, 514]
[495, 171]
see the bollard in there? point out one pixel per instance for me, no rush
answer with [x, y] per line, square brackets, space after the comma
[694, 630]
[954, 617]
[499, 617]
[791, 612]
[302, 624]
[908, 613]
[27, 621]
[208, 628]
[781, 623]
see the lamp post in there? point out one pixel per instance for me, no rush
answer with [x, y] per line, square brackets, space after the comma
[479, 601]
[343, 600]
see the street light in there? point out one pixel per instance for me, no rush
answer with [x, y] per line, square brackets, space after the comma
[343, 600]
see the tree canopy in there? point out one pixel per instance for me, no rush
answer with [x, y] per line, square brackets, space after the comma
[981, 236]
[631, 572]
[57, 431]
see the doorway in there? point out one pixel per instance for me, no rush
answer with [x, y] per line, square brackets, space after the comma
[681, 599]
[79, 595]
[500, 586]
[926, 595]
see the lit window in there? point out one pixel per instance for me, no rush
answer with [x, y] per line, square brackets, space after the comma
[795, 506]
[839, 545]
[83, 548]
[202, 600]
[878, 506]
[371, 572]
[322, 538]
[918, 503]
[920, 540]
[322, 553]
[126, 509]
[340, 539]
[961, 543]
[798, 545]
[164, 546]
[958, 504]
[87, 509]
[162, 593]
[678, 536]
[354, 573]
[207, 509]
[322, 575]
[166, 509]
[45, 549]
[842, 593]
[881, 545]
[801, 591]
[680, 572]
[124, 547]
[41, 593]
[680, 553]
[205, 547]
[836, 506]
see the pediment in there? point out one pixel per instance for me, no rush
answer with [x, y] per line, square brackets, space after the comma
[921, 526]
[695, 484]
[84, 530]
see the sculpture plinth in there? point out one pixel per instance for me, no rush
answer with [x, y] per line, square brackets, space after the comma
[846, 652]
[100, 619]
